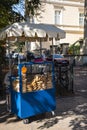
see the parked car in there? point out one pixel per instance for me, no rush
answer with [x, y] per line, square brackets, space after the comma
[58, 59]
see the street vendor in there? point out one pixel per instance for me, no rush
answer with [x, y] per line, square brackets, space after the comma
[7, 88]
[43, 56]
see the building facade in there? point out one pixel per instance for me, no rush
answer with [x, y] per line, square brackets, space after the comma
[65, 14]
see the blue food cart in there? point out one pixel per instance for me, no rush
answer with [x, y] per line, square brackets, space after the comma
[32, 89]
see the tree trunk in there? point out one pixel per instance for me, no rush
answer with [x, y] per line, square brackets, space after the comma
[85, 28]
[84, 46]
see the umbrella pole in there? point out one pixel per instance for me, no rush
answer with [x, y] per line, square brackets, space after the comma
[52, 45]
[40, 47]
[9, 57]
[26, 47]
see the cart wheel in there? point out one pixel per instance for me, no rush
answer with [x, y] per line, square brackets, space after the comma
[25, 121]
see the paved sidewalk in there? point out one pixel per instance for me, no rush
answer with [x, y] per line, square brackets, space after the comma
[71, 111]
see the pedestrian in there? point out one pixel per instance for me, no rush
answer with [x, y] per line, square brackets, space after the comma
[43, 56]
[7, 89]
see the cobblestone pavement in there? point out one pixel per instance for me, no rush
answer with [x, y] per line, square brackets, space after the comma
[70, 113]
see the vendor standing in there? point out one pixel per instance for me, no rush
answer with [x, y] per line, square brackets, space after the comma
[7, 88]
[43, 56]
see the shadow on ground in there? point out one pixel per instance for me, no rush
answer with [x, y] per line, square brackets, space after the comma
[73, 107]
[4, 115]
[63, 112]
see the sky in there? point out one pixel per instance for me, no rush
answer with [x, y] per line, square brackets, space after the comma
[19, 8]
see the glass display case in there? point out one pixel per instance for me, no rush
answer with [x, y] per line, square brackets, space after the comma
[37, 77]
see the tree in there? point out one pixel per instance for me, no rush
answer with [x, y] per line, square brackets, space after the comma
[8, 16]
[2, 52]
[85, 28]
[2, 60]
[6, 12]
[31, 7]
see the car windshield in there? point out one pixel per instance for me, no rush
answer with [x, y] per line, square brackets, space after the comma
[57, 56]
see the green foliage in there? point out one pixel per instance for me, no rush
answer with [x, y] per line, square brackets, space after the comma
[2, 53]
[6, 12]
[19, 46]
[7, 16]
[32, 6]
[74, 49]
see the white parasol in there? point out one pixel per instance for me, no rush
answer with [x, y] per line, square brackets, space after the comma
[29, 30]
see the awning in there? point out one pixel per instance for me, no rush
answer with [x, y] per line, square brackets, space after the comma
[30, 30]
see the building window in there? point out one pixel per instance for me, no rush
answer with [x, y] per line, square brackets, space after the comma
[57, 16]
[81, 18]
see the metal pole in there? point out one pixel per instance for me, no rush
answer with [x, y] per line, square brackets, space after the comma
[52, 45]
[40, 47]
[9, 57]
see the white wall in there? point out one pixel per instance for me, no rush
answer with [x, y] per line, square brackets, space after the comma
[70, 20]
[47, 14]
[70, 15]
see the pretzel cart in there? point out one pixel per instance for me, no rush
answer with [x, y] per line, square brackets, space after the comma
[32, 84]
[33, 89]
